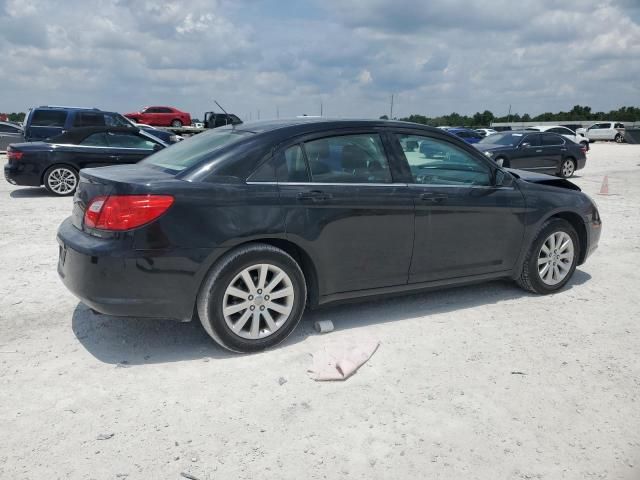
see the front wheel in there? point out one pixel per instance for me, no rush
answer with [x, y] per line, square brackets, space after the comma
[253, 298]
[176, 123]
[551, 259]
[619, 138]
[568, 168]
[61, 180]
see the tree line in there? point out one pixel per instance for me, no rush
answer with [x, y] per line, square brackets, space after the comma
[14, 116]
[484, 119]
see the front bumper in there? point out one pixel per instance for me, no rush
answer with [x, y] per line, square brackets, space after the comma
[594, 230]
[112, 278]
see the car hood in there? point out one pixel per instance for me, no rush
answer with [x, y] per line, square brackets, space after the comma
[542, 179]
[486, 147]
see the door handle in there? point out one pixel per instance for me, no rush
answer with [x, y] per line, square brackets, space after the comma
[434, 197]
[538, 151]
[315, 196]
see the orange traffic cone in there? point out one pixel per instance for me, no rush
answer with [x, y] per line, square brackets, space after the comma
[604, 189]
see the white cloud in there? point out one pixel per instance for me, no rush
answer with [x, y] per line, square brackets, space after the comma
[436, 56]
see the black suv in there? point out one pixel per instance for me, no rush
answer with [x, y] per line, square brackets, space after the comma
[49, 121]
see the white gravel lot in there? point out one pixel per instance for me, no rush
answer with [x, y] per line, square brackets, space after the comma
[437, 400]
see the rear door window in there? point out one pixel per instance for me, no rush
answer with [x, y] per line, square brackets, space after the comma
[48, 118]
[129, 140]
[533, 140]
[89, 119]
[552, 140]
[348, 159]
[95, 140]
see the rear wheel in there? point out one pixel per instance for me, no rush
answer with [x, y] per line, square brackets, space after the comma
[176, 123]
[253, 298]
[619, 138]
[568, 168]
[61, 180]
[551, 259]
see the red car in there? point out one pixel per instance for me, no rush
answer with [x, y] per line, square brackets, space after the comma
[161, 117]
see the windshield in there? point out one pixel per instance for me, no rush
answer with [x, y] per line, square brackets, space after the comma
[195, 149]
[503, 139]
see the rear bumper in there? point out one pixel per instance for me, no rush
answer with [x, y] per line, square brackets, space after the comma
[581, 162]
[18, 175]
[112, 278]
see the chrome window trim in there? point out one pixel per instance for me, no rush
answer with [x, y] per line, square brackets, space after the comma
[436, 185]
[95, 146]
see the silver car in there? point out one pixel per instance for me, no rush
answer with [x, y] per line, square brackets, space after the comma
[10, 133]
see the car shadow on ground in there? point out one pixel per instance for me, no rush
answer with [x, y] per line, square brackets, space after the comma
[31, 192]
[137, 341]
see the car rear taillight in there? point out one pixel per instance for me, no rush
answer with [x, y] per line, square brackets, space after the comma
[584, 150]
[124, 212]
[14, 154]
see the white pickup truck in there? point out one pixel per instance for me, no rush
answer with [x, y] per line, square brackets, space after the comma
[604, 131]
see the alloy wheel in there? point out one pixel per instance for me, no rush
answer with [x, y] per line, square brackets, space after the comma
[258, 301]
[568, 168]
[62, 181]
[555, 258]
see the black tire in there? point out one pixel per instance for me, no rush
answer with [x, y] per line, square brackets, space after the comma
[53, 176]
[176, 123]
[619, 138]
[505, 162]
[567, 168]
[529, 278]
[210, 301]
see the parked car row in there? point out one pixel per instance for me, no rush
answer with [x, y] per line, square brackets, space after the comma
[251, 224]
[57, 162]
[543, 152]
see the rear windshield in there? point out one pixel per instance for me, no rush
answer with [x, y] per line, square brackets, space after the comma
[193, 150]
[503, 139]
[48, 118]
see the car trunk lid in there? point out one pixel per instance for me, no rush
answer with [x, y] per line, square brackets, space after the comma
[115, 180]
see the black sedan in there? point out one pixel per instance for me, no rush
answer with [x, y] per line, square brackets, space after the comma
[245, 226]
[538, 151]
[56, 162]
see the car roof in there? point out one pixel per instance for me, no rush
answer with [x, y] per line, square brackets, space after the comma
[76, 135]
[11, 124]
[320, 123]
[61, 107]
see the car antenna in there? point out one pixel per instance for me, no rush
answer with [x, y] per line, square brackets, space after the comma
[227, 115]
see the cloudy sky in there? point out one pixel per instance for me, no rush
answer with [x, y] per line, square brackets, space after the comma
[350, 55]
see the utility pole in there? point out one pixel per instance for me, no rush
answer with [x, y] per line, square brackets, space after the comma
[391, 109]
[509, 116]
[321, 106]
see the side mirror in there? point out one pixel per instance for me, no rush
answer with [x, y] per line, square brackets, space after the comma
[502, 179]
[157, 147]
